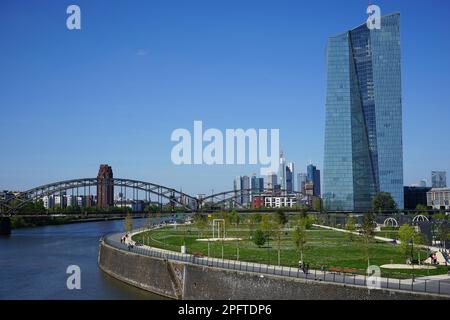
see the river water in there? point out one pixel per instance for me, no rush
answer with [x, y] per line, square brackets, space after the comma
[33, 263]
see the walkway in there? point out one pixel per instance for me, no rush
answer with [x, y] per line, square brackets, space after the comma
[434, 285]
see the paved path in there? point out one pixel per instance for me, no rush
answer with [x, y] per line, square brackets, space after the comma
[433, 284]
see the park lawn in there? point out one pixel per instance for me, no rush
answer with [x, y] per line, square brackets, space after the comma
[324, 248]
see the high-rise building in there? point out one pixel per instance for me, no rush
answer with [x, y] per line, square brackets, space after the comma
[237, 187]
[363, 129]
[422, 184]
[302, 178]
[245, 190]
[271, 181]
[257, 184]
[282, 172]
[290, 177]
[105, 187]
[439, 179]
[415, 196]
[313, 176]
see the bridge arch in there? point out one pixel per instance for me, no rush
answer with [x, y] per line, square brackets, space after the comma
[239, 198]
[12, 204]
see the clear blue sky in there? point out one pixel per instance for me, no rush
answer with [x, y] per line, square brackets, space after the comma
[114, 91]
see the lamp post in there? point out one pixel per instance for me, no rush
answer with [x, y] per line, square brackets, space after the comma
[411, 242]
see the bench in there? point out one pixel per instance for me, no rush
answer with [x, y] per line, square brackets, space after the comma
[342, 270]
[198, 255]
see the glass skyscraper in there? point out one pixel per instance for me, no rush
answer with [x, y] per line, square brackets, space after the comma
[363, 129]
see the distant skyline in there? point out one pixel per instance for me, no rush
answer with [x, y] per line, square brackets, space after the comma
[114, 91]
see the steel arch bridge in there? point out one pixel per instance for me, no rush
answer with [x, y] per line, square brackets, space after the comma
[12, 204]
[235, 197]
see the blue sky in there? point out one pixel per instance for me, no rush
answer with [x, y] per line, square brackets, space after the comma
[114, 91]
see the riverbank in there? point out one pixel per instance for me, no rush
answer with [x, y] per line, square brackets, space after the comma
[18, 222]
[187, 277]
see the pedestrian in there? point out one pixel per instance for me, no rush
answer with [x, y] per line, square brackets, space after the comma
[300, 265]
[307, 268]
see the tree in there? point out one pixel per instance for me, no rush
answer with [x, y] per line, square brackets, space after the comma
[299, 237]
[256, 218]
[383, 201]
[128, 223]
[278, 227]
[408, 238]
[443, 233]
[422, 208]
[259, 238]
[201, 222]
[317, 204]
[280, 217]
[234, 217]
[350, 226]
[368, 231]
[267, 226]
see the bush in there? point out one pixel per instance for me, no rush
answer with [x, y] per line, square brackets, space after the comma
[259, 238]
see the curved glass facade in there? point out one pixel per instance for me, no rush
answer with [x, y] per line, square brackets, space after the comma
[363, 129]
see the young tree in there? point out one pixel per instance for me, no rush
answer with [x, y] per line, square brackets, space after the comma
[280, 217]
[368, 230]
[350, 226]
[299, 237]
[317, 204]
[267, 226]
[443, 233]
[409, 237]
[383, 201]
[259, 238]
[278, 228]
[422, 208]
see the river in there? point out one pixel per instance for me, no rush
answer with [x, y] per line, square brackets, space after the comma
[33, 263]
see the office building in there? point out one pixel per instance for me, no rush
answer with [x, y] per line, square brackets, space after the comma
[290, 177]
[270, 181]
[282, 172]
[363, 130]
[439, 179]
[415, 196]
[439, 198]
[302, 178]
[313, 176]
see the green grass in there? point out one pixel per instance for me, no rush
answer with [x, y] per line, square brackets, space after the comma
[324, 248]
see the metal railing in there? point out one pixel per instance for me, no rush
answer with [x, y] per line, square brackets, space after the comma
[438, 287]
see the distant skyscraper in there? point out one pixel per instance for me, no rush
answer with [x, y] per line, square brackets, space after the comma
[253, 183]
[290, 177]
[105, 187]
[237, 186]
[422, 183]
[270, 181]
[363, 130]
[245, 190]
[313, 177]
[439, 179]
[282, 172]
[302, 178]
[257, 184]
